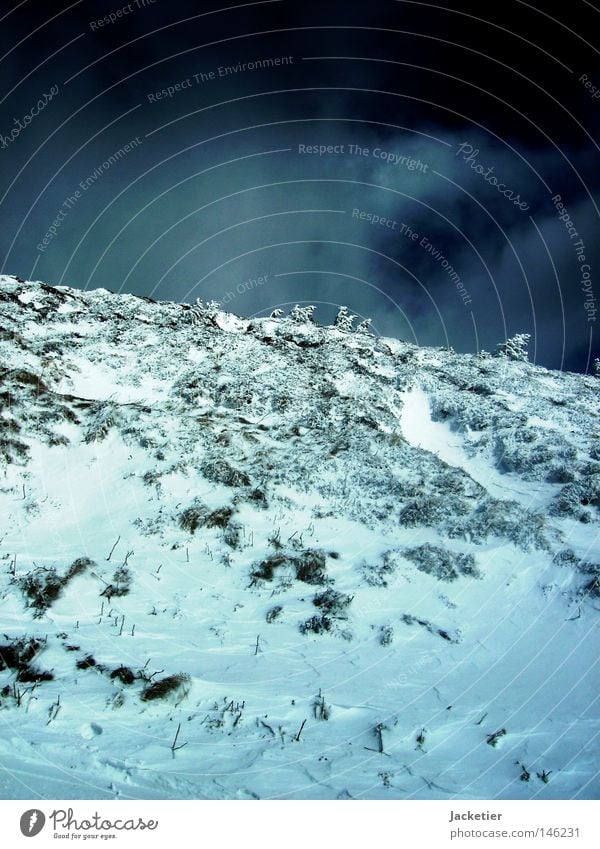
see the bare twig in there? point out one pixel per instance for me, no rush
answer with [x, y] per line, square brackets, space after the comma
[297, 737]
[174, 746]
[113, 548]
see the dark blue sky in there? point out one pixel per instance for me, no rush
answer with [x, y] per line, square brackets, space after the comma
[402, 158]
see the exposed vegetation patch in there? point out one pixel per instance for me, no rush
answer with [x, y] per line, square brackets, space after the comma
[508, 519]
[220, 471]
[308, 566]
[442, 564]
[274, 613]
[123, 674]
[333, 603]
[43, 585]
[18, 655]
[171, 686]
[580, 499]
[103, 415]
[219, 518]
[451, 637]
[332, 607]
[379, 573]
[193, 517]
[121, 582]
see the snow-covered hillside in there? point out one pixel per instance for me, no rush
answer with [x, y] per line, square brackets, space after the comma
[261, 558]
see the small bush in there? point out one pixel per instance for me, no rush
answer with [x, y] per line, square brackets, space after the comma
[33, 675]
[333, 604]
[41, 586]
[219, 518]
[233, 535]
[123, 674]
[409, 619]
[386, 635]
[104, 415]
[574, 496]
[321, 709]
[172, 685]
[274, 613]
[19, 654]
[258, 497]
[87, 662]
[310, 567]
[193, 517]
[265, 571]
[79, 566]
[120, 585]
[316, 625]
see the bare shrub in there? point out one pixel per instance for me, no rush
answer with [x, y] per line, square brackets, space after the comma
[173, 685]
[123, 674]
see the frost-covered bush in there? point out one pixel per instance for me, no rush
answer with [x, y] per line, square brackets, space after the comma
[442, 564]
[333, 603]
[533, 455]
[453, 637]
[378, 574]
[103, 415]
[310, 566]
[219, 518]
[592, 588]
[219, 470]
[302, 315]
[566, 557]
[463, 411]
[316, 625]
[343, 320]
[431, 510]
[514, 348]
[365, 326]
[274, 613]
[232, 534]
[120, 585]
[575, 496]
[204, 312]
[508, 519]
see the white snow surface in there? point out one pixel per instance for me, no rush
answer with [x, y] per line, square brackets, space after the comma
[366, 561]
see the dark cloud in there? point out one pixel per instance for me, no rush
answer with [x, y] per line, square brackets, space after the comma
[202, 191]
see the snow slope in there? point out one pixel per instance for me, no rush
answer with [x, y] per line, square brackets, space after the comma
[349, 564]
